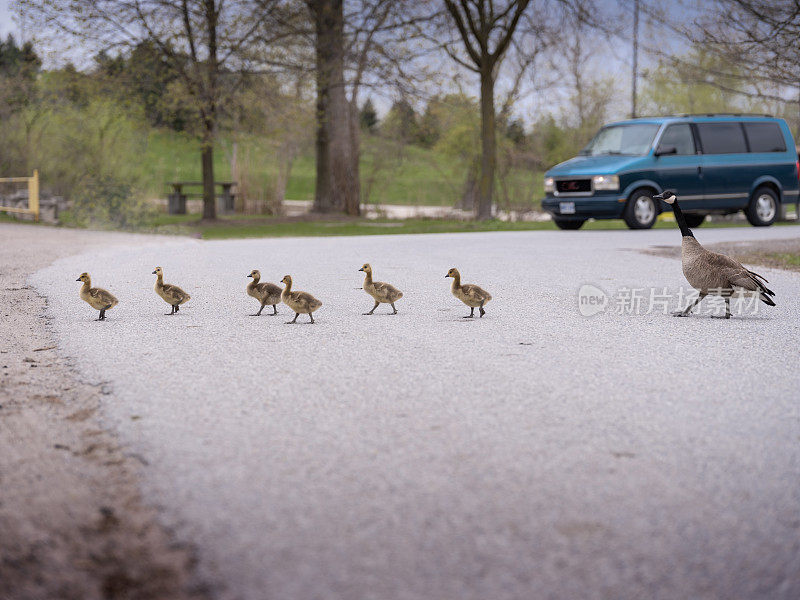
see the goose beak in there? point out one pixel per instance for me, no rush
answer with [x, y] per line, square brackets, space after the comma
[250, 275]
[361, 269]
[153, 273]
[78, 279]
[659, 196]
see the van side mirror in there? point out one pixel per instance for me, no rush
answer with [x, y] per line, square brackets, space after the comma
[661, 150]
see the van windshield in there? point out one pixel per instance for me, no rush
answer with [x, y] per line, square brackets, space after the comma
[634, 139]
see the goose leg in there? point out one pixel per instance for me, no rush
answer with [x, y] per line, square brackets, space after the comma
[394, 309]
[312, 317]
[258, 314]
[102, 315]
[293, 321]
[274, 310]
[471, 313]
[483, 312]
[373, 308]
[727, 310]
[685, 312]
[172, 312]
[177, 307]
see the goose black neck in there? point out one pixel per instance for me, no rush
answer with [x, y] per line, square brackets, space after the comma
[685, 231]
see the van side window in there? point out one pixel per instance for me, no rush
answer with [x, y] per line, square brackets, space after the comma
[722, 138]
[679, 137]
[765, 137]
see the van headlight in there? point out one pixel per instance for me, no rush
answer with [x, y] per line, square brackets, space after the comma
[549, 185]
[605, 182]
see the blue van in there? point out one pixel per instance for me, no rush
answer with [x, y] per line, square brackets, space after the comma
[715, 164]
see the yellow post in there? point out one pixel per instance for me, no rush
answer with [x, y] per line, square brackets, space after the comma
[33, 194]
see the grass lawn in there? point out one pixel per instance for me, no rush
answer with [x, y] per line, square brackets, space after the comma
[390, 174]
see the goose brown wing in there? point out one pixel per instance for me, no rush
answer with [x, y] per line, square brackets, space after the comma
[387, 290]
[475, 291]
[102, 295]
[269, 289]
[173, 291]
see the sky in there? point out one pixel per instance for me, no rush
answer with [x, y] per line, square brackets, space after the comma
[7, 25]
[611, 59]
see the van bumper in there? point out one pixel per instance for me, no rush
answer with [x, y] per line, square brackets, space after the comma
[599, 206]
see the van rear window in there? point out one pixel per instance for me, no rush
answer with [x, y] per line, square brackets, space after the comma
[722, 138]
[765, 137]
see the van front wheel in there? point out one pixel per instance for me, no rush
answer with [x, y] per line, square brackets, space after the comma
[641, 210]
[763, 208]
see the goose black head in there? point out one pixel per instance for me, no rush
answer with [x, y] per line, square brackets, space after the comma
[84, 277]
[287, 279]
[667, 196]
[158, 271]
[366, 268]
[453, 272]
[255, 273]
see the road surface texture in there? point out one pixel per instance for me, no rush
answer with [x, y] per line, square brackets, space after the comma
[534, 453]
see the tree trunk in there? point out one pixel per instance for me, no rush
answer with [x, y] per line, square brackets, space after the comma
[207, 159]
[353, 203]
[337, 184]
[488, 145]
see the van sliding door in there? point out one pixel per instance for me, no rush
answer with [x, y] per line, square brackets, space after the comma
[727, 172]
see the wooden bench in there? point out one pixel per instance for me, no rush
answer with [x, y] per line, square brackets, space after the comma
[177, 197]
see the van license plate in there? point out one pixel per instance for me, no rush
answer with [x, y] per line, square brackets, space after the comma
[566, 208]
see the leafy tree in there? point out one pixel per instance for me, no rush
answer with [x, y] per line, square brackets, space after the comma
[207, 43]
[368, 117]
[486, 31]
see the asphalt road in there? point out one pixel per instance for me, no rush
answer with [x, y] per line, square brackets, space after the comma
[534, 453]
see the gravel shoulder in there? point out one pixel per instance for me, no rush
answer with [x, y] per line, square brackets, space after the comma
[774, 254]
[73, 524]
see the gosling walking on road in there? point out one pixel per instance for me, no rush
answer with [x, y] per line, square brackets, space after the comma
[299, 302]
[711, 273]
[266, 293]
[382, 292]
[472, 295]
[171, 294]
[97, 298]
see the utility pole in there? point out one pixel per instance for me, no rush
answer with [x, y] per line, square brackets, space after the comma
[635, 56]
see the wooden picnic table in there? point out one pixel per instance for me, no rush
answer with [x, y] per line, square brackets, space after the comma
[177, 198]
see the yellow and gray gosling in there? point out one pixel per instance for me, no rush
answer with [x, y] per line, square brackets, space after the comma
[299, 302]
[97, 298]
[266, 293]
[470, 294]
[710, 272]
[382, 292]
[171, 294]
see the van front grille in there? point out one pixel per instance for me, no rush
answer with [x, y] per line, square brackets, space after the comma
[573, 186]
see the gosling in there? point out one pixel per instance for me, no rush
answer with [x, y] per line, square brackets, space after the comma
[472, 295]
[299, 302]
[97, 298]
[266, 293]
[172, 294]
[711, 273]
[382, 292]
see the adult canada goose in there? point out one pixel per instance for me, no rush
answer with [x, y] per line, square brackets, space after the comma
[172, 294]
[299, 302]
[266, 293]
[380, 291]
[97, 298]
[472, 295]
[711, 273]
